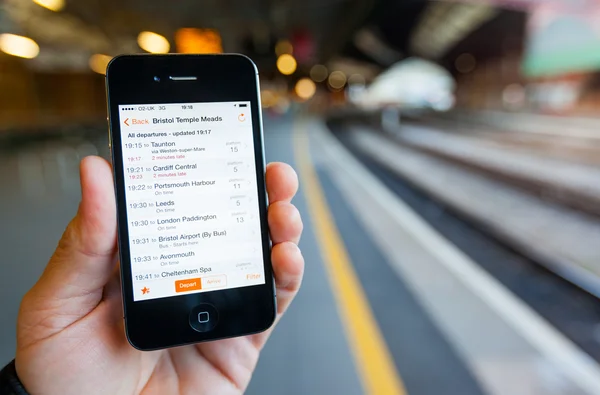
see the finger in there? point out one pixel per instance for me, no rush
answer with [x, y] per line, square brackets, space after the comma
[72, 283]
[285, 223]
[288, 268]
[282, 182]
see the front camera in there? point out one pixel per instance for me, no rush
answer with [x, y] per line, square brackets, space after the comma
[156, 78]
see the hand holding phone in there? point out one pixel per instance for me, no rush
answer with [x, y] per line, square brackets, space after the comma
[70, 336]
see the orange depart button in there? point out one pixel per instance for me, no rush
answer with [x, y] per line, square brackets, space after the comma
[191, 284]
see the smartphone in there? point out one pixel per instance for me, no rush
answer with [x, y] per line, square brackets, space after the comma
[189, 170]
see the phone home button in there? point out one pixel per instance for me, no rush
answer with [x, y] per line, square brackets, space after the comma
[204, 317]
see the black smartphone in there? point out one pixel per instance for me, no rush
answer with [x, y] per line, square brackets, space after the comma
[189, 170]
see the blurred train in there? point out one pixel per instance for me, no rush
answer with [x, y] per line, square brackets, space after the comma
[410, 84]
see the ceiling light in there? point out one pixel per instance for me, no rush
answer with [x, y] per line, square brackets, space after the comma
[286, 64]
[192, 40]
[284, 47]
[52, 5]
[20, 46]
[153, 42]
[305, 88]
[99, 62]
[337, 80]
[319, 73]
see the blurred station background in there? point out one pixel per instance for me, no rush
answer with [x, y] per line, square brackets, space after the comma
[449, 161]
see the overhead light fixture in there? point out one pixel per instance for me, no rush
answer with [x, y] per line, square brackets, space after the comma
[445, 24]
[153, 42]
[305, 88]
[98, 63]
[284, 47]
[337, 80]
[319, 73]
[20, 46]
[286, 64]
[192, 40]
[52, 5]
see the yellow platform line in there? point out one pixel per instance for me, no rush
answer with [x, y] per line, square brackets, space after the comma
[374, 363]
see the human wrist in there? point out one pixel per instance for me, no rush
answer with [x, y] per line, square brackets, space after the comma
[9, 381]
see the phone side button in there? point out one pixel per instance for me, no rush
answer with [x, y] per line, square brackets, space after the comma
[204, 317]
[109, 136]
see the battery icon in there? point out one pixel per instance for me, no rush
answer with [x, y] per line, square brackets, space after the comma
[243, 105]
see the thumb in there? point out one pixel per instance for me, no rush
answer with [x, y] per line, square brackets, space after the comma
[72, 283]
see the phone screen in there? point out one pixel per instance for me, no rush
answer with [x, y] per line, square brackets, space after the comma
[192, 199]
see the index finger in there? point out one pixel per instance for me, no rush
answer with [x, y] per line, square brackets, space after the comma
[282, 182]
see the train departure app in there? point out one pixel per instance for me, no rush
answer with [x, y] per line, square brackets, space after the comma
[191, 194]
